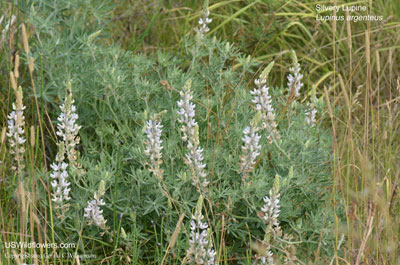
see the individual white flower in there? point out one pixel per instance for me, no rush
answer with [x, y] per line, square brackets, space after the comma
[263, 103]
[294, 80]
[16, 133]
[94, 213]
[203, 22]
[250, 150]
[271, 210]
[153, 144]
[201, 248]
[270, 258]
[194, 156]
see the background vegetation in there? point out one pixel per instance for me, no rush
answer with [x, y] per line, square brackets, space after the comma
[117, 52]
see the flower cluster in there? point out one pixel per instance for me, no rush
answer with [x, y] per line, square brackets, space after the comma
[194, 156]
[68, 129]
[268, 259]
[263, 103]
[203, 21]
[153, 145]
[294, 79]
[16, 123]
[66, 156]
[269, 214]
[94, 213]
[250, 150]
[310, 115]
[201, 250]
[60, 183]
[186, 113]
[270, 210]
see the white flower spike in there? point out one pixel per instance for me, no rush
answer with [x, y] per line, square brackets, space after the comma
[250, 150]
[271, 210]
[94, 213]
[153, 145]
[16, 133]
[60, 184]
[263, 103]
[269, 214]
[67, 130]
[190, 129]
[201, 248]
[310, 115]
[294, 80]
[203, 22]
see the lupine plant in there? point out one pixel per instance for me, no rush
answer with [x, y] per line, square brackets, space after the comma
[216, 130]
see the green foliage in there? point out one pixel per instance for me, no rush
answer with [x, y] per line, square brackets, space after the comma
[117, 91]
